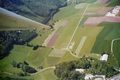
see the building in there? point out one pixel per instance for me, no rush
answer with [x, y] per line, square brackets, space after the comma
[99, 77]
[80, 70]
[94, 77]
[114, 12]
[110, 14]
[104, 57]
[88, 77]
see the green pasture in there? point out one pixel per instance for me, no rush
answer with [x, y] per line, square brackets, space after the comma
[116, 50]
[103, 41]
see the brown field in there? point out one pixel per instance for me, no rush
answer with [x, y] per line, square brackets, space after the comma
[52, 40]
[103, 1]
[94, 21]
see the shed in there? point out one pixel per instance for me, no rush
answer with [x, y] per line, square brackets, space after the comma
[80, 70]
[104, 57]
[88, 77]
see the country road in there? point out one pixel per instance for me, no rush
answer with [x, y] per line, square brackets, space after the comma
[42, 70]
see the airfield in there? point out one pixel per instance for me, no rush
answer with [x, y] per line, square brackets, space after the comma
[70, 40]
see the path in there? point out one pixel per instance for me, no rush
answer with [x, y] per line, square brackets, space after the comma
[77, 26]
[113, 43]
[42, 70]
[82, 41]
[113, 46]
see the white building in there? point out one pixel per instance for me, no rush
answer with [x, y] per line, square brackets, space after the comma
[80, 70]
[110, 14]
[99, 77]
[104, 57]
[88, 77]
[114, 12]
[94, 77]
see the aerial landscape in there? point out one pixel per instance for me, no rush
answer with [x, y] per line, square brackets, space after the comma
[59, 39]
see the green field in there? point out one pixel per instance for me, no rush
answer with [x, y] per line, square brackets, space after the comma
[103, 41]
[45, 75]
[67, 31]
[116, 50]
[87, 41]
[19, 54]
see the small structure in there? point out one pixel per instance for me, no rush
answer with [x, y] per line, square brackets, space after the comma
[88, 77]
[114, 12]
[80, 70]
[104, 57]
[94, 77]
[99, 77]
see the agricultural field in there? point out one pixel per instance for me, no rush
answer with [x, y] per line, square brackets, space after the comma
[105, 37]
[45, 75]
[68, 40]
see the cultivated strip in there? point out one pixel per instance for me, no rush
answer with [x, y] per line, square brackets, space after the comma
[82, 41]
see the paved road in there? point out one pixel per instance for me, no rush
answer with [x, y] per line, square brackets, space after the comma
[42, 70]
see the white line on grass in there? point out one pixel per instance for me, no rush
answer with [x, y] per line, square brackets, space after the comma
[82, 41]
[42, 70]
[77, 26]
[113, 43]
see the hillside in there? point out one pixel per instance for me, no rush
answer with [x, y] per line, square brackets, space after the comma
[10, 20]
[114, 2]
[38, 10]
[67, 49]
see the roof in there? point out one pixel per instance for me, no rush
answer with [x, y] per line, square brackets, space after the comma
[94, 77]
[80, 70]
[88, 76]
[110, 14]
[104, 57]
[114, 12]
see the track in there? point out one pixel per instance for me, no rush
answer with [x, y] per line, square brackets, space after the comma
[77, 26]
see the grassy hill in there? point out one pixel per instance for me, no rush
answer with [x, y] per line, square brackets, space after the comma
[98, 38]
